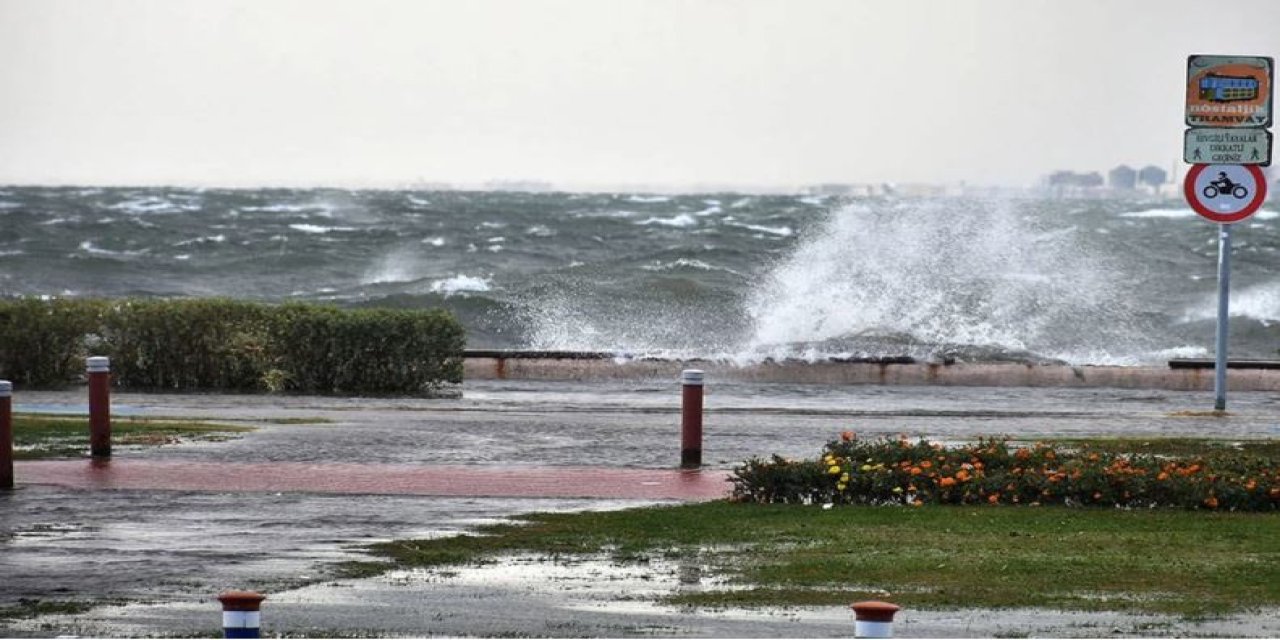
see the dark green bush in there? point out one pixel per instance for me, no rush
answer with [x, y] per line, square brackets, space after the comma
[899, 471]
[231, 345]
[42, 341]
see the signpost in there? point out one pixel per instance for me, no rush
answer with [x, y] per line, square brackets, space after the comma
[1229, 108]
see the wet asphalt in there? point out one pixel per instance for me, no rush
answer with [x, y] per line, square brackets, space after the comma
[153, 560]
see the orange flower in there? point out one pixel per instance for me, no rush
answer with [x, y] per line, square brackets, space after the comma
[1022, 453]
[1251, 485]
[915, 471]
[993, 498]
[962, 475]
[947, 482]
[1211, 502]
[847, 436]
[926, 464]
[1274, 493]
[1163, 476]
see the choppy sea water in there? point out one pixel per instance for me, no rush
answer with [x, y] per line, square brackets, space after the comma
[735, 276]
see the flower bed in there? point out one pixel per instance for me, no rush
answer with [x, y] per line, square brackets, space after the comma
[992, 471]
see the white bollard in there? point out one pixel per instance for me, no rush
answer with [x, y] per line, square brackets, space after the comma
[874, 619]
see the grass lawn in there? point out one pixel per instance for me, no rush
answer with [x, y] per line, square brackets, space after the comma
[42, 436]
[1184, 562]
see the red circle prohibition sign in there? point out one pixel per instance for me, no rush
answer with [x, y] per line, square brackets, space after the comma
[1198, 203]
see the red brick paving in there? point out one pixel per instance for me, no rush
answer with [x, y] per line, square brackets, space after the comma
[426, 480]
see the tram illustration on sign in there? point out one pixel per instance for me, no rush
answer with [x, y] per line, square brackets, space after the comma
[1220, 88]
[1229, 92]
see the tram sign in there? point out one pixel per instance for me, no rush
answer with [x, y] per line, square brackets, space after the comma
[1229, 91]
[1225, 193]
[1227, 146]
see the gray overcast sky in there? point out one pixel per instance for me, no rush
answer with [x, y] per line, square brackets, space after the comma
[582, 92]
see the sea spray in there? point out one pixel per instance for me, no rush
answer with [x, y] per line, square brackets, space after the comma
[977, 279]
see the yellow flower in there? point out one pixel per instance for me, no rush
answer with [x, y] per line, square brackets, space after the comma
[834, 470]
[897, 489]
[865, 468]
[841, 486]
[844, 477]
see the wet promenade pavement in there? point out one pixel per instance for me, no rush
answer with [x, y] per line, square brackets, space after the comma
[155, 535]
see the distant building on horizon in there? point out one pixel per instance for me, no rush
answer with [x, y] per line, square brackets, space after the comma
[1122, 178]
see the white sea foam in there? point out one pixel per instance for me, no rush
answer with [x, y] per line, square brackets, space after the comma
[711, 210]
[816, 201]
[540, 231]
[682, 220]
[10, 205]
[1160, 213]
[89, 247]
[202, 240]
[282, 208]
[153, 205]
[435, 242]
[317, 229]
[418, 202]
[461, 283]
[1260, 302]
[777, 231]
[12, 252]
[648, 199]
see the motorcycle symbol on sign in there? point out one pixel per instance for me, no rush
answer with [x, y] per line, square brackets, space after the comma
[1223, 185]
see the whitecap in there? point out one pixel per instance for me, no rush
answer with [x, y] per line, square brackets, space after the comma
[1267, 215]
[10, 205]
[682, 220]
[713, 209]
[1160, 213]
[492, 225]
[460, 283]
[182, 256]
[497, 239]
[202, 240]
[777, 231]
[418, 202]
[816, 201]
[315, 228]
[281, 208]
[11, 252]
[152, 204]
[646, 199]
[540, 231]
[435, 242]
[88, 247]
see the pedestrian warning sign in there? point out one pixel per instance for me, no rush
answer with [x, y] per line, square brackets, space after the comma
[1229, 91]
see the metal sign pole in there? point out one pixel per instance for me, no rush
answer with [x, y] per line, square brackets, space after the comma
[1224, 300]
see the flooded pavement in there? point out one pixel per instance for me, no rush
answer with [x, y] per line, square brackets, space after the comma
[154, 558]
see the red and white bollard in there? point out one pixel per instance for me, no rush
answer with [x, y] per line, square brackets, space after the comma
[691, 419]
[6, 434]
[240, 616]
[874, 619]
[99, 370]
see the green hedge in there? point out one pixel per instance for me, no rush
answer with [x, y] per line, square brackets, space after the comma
[218, 344]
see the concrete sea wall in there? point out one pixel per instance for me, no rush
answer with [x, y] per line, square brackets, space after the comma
[542, 365]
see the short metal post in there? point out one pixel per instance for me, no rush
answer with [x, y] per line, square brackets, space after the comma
[6, 434]
[99, 370]
[1224, 317]
[240, 615]
[691, 419]
[874, 619]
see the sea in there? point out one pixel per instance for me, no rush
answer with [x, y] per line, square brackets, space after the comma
[728, 276]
